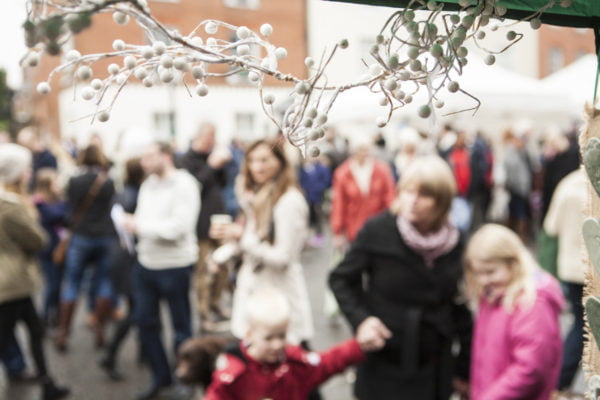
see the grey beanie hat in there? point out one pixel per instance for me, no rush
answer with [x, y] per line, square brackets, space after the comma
[14, 161]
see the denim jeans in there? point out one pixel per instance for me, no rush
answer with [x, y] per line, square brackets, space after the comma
[82, 251]
[12, 357]
[150, 287]
[573, 345]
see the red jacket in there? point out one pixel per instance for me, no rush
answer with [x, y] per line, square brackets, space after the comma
[292, 379]
[350, 209]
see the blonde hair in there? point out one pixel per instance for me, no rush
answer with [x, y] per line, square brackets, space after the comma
[493, 242]
[267, 306]
[433, 177]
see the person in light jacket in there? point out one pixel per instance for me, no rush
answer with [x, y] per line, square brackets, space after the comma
[517, 345]
[271, 238]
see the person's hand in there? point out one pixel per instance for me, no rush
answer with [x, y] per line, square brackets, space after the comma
[340, 243]
[129, 223]
[226, 232]
[461, 387]
[372, 334]
[218, 158]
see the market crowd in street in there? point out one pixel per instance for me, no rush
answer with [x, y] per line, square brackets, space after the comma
[453, 261]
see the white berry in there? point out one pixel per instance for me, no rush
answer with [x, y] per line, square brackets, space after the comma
[198, 72]
[113, 69]
[141, 74]
[269, 98]
[130, 62]
[118, 45]
[243, 50]
[72, 55]
[159, 48]
[202, 90]
[103, 116]
[242, 32]
[381, 121]
[166, 75]
[180, 63]
[281, 53]
[84, 72]
[43, 88]
[147, 82]
[147, 52]
[96, 84]
[87, 93]
[120, 18]
[266, 30]
[211, 28]
[314, 151]
[453, 86]
[375, 69]
[309, 62]
[166, 61]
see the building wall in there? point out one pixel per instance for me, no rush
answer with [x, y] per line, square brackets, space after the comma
[560, 46]
[288, 19]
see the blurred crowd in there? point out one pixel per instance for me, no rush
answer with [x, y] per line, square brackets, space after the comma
[452, 259]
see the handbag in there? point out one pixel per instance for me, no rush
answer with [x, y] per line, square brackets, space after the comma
[59, 254]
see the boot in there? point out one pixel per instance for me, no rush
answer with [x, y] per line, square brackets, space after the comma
[67, 309]
[51, 391]
[104, 309]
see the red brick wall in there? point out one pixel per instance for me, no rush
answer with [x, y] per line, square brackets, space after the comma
[572, 42]
[288, 19]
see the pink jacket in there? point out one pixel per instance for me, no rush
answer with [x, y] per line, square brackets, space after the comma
[518, 356]
[350, 209]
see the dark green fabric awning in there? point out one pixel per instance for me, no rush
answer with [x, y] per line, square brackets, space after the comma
[580, 14]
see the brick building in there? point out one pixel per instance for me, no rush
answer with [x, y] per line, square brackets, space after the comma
[288, 19]
[560, 46]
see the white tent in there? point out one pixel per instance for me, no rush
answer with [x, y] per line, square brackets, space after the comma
[576, 83]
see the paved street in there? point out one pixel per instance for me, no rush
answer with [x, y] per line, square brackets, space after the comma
[79, 369]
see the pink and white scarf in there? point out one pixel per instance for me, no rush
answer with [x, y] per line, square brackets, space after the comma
[432, 245]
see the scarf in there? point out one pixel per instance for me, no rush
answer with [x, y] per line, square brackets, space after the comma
[431, 245]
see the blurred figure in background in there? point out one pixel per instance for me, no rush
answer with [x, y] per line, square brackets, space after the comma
[564, 221]
[165, 224]
[315, 179]
[53, 215]
[519, 178]
[206, 162]
[30, 138]
[480, 188]
[21, 237]
[121, 271]
[362, 187]
[89, 201]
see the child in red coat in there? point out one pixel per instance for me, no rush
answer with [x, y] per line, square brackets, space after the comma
[263, 366]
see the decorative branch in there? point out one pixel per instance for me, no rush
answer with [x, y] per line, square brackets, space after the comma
[406, 52]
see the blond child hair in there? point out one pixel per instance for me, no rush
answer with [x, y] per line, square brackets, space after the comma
[493, 242]
[267, 307]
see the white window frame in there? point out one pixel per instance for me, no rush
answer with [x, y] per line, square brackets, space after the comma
[245, 4]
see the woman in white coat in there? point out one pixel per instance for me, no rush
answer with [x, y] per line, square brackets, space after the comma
[270, 238]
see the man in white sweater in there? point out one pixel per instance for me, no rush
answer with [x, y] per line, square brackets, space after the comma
[165, 224]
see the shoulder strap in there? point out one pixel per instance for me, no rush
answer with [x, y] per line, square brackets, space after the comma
[89, 198]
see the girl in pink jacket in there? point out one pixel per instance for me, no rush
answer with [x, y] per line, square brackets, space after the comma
[517, 347]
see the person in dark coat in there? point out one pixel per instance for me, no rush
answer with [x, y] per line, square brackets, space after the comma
[398, 286]
[123, 261]
[207, 164]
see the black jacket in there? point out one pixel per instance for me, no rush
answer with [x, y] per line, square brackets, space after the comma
[381, 276]
[96, 220]
[211, 181]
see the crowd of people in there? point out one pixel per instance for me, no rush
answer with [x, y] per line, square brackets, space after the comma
[434, 268]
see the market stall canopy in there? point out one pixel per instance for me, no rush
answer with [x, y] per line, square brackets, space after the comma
[575, 82]
[580, 14]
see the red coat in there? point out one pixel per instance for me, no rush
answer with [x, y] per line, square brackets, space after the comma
[292, 379]
[350, 209]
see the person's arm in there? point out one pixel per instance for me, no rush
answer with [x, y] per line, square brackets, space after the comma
[535, 354]
[24, 230]
[182, 219]
[334, 360]
[290, 223]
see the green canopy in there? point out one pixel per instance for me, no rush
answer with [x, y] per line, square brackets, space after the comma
[580, 14]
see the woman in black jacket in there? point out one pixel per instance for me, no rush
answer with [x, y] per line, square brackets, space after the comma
[398, 285]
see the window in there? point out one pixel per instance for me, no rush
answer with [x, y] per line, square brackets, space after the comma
[248, 4]
[244, 124]
[164, 125]
[556, 59]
